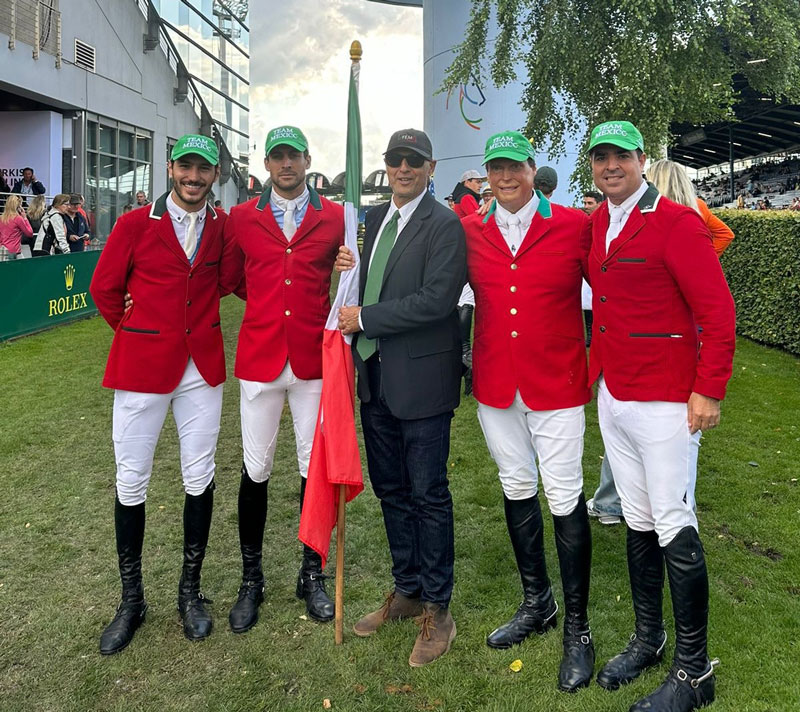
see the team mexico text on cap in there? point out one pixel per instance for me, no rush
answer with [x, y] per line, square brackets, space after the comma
[286, 136]
[202, 146]
[508, 144]
[618, 133]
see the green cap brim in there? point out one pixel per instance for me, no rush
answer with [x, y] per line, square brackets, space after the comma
[297, 145]
[189, 151]
[619, 141]
[509, 153]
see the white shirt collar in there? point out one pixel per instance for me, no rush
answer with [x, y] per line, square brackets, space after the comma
[631, 201]
[178, 214]
[407, 210]
[280, 202]
[525, 214]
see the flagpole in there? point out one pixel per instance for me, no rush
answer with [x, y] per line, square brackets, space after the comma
[355, 61]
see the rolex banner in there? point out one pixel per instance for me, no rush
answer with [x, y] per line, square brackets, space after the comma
[41, 292]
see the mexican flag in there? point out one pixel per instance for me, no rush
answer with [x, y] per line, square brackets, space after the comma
[335, 459]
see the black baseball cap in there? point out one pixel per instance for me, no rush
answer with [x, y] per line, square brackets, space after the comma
[413, 140]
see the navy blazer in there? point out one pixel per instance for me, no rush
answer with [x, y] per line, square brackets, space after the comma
[415, 320]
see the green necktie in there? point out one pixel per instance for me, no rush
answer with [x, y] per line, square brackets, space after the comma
[372, 290]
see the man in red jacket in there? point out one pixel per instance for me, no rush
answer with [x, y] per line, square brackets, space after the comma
[279, 258]
[167, 351]
[466, 194]
[654, 278]
[525, 260]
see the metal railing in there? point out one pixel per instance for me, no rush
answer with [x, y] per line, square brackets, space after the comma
[36, 23]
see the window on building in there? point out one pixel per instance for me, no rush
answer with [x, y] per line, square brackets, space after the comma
[119, 163]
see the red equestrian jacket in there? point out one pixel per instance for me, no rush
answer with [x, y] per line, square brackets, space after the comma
[658, 283]
[175, 312]
[286, 284]
[528, 318]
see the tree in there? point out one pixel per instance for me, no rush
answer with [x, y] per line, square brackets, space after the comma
[650, 61]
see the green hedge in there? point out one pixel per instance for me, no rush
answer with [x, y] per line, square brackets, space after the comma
[763, 270]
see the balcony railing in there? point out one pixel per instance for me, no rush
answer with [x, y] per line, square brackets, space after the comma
[36, 23]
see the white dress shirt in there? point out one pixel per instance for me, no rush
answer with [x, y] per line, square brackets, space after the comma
[514, 226]
[619, 214]
[180, 222]
[405, 215]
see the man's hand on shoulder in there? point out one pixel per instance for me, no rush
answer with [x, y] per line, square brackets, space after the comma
[702, 412]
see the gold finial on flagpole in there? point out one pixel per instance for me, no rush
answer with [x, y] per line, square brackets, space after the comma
[355, 51]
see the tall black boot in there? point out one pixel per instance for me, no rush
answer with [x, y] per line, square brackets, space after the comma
[537, 612]
[196, 525]
[465, 326]
[574, 547]
[690, 683]
[646, 646]
[253, 499]
[129, 529]
[311, 580]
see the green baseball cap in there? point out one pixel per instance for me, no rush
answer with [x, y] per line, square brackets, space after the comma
[508, 144]
[203, 146]
[618, 133]
[286, 136]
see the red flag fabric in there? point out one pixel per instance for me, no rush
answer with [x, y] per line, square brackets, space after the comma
[335, 459]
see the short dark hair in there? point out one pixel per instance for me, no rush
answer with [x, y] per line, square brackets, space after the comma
[27, 168]
[593, 194]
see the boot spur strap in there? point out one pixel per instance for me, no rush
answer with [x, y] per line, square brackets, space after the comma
[695, 683]
[637, 642]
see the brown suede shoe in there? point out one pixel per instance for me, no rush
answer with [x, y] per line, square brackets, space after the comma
[395, 608]
[437, 629]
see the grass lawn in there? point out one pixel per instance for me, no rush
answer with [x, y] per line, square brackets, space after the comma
[59, 584]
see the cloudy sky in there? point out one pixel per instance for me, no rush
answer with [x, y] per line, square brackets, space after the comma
[299, 73]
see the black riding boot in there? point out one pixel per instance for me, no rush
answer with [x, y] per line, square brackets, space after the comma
[129, 528]
[646, 647]
[690, 683]
[537, 612]
[574, 547]
[253, 497]
[311, 580]
[196, 525]
[465, 326]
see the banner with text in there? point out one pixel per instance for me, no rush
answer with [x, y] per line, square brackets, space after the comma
[42, 292]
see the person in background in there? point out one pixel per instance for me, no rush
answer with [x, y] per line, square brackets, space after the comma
[449, 201]
[5, 188]
[36, 211]
[486, 194]
[14, 226]
[671, 180]
[28, 185]
[591, 201]
[465, 195]
[52, 236]
[218, 204]
[127, 208]
[75, 223]
[141, 199]
[546, 181]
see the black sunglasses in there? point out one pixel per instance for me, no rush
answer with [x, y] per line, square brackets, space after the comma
[414, 160]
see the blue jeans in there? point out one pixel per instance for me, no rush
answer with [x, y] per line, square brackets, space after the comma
[606, 499]
[407, 462]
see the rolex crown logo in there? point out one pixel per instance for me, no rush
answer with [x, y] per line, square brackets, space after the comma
[69, 276]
